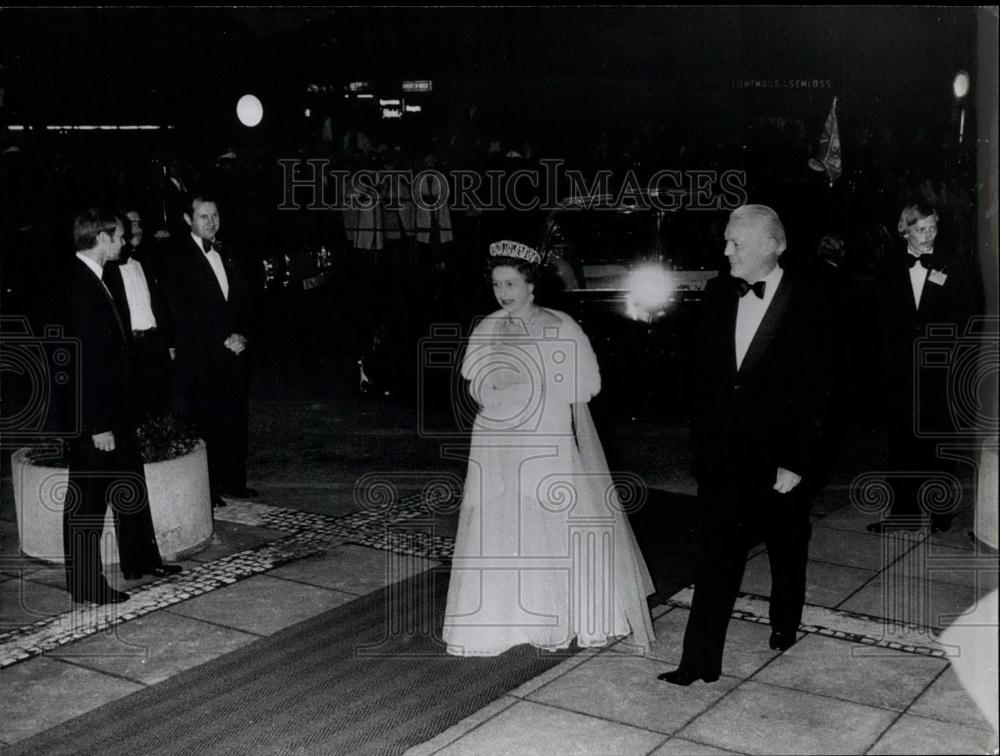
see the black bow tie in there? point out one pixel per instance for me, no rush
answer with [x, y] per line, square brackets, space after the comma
[742, 287]
[208, 245]
[926, 260]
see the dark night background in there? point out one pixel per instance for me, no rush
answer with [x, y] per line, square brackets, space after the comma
[554, 66]
[602, 88]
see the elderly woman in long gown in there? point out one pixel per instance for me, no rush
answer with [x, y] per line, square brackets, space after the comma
[544, 553]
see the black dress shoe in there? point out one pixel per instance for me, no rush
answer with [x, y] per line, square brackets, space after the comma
[242, 493]
[132, 575]
[681, 676]
[781, 641]
[162, 570]
[106, 595]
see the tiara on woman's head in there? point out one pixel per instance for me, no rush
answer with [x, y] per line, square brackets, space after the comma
[507, 248]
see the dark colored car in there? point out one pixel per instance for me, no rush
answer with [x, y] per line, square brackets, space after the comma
[632, 275]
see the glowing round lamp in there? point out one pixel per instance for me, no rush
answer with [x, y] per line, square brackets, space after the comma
[249, 110]
[961, 85]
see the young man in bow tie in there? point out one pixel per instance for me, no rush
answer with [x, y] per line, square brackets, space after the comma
[210, 307]
[920, 289]
[760, 376]
[105, 466]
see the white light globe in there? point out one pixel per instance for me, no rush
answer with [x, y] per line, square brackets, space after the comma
[249, 110]
[961, 85]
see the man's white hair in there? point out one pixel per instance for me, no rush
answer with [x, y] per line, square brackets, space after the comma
[775, 228]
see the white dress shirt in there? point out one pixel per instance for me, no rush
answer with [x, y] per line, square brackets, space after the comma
[918, 277]
[751, 311]
[140, 308]
[215, 260]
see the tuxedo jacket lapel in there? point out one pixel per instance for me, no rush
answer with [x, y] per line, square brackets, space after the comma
[97, 285]
[768, 326]
[207, 274]
[116, 285]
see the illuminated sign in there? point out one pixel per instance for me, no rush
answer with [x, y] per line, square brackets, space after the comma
[392, 113]
[358, 86]
[385, 103]
[99, 127]
[424, 85]
[413, 108]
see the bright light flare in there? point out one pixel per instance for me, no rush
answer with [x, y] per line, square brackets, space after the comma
[649, 287]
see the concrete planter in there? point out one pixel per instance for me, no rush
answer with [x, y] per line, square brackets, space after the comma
[179, 500]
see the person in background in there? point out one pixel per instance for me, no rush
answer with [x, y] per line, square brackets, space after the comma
[105, 466]
[921, 289]
[210, 308]
[144, 311]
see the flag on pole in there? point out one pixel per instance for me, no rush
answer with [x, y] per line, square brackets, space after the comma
[829, 148]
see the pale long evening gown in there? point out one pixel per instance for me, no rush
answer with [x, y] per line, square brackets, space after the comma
[543, 553]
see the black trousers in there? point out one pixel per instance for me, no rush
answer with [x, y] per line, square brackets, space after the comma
[733, 521]
[98, 480]
[217, 405]
[152, 373]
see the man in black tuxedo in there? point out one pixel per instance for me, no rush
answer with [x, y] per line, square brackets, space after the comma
[210, 308]
[919, 289]
[136, 290]
[761, 368]
[105, 466]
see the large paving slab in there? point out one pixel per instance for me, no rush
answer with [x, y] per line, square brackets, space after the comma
[864, 550]
[42, 693]
[840, 669]
[531, 729]
[763, 719]
[899, 595]
[154, 647]
[262, 605]
[826, 584]
[682, 747]
[625, 689]
[917, 735]
[354, 569]
[24, 602]
[948, 701]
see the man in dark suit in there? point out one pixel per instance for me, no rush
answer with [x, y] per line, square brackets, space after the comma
[210, 308]
[919, 289]
[137, 293]
[761, 363]
[104, 462]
